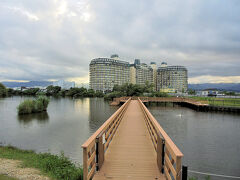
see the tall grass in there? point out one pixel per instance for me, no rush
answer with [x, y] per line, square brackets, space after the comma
[54, 166]
[33, 106]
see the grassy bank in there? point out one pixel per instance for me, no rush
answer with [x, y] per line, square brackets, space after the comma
[4, 177]
[214, 101]
[56, 167]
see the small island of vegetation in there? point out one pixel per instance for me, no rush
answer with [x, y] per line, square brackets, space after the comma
[33, 106]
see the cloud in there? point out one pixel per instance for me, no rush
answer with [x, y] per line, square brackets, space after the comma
[55, 39]
[214, 79]
[29, 15]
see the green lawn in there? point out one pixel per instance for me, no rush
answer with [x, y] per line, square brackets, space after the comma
[56, 167]
[227, 102]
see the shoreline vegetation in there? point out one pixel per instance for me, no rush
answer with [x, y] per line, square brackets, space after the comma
[30, 106]
[118, 91]
[214, 101]
[54, 166]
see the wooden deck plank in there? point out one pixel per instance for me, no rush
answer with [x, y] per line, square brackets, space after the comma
[131, 154]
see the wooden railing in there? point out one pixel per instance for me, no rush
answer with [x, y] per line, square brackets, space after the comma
[95, 147]
[169, 157]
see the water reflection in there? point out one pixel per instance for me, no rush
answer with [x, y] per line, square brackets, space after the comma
[98, 111]
[40, 118]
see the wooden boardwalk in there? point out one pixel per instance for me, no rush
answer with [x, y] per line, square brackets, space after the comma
[131, 154]
[131, 145]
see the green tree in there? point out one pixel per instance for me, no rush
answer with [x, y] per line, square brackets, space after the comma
[3, 90]
[191, 91]
[10, 91]
[53, 90]
[90, 93]
[31, 91]
[99, 94]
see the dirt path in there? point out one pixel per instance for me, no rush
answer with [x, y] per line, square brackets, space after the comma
[12, 168]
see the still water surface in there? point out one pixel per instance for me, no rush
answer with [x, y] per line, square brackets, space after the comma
[65, 126]
[210, 142]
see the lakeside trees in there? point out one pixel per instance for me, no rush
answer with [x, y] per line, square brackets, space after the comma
[129, 89]
[3, 90]
[126, 89]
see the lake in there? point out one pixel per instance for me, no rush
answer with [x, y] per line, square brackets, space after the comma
[209, 141]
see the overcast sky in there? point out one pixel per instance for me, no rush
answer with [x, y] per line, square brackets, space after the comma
[56, 39]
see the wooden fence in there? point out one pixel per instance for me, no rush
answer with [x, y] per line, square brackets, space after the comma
[169, 157]
[95, 147]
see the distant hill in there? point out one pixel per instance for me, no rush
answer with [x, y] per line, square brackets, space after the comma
[27, 84]
[220, 86]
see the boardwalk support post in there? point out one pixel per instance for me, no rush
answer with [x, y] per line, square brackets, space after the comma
[97, 155]
[100, 150]
[184, 172]
[163, 153]
[160, 153]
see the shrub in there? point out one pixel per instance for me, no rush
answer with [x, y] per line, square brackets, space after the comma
[114, 94]
[55, 166]
[44, 101]
[26, 107]
[40, 93]
[32, 106]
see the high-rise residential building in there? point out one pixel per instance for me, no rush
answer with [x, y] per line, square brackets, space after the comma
[154, 68]
[132, 74]
[144, 73]
[172, 78]
[106, 72]
[140, 73]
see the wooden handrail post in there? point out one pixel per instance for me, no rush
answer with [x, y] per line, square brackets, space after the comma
[85, 166]
[178, 168]
[100, 154]
[160, 153]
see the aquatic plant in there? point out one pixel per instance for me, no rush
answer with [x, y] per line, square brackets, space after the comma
[32, 106]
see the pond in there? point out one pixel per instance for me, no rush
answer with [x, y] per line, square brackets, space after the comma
[209, 141]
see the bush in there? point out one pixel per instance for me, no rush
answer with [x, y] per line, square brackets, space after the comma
[44, 101]
[32, 106]
[40, 93]
[31, 91]
[99, 94]
[57, 167]
[26, 107]
[3, 90]
[159, 94]
[114, 94]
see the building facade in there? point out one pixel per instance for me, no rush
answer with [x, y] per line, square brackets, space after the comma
[154, 68]
[132, 74]
[140, 73]
[172, 78]
[106, 72]
[144, 73]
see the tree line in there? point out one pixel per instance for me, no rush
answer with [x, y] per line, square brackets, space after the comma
[51, 91]
[126, 89]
